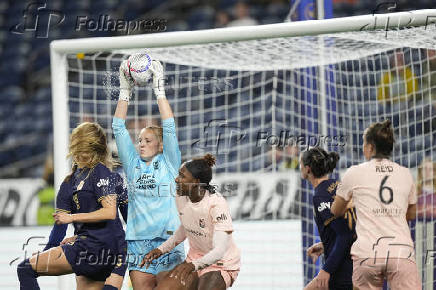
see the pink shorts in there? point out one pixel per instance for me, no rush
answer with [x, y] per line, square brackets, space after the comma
[229, 276]
[369, 274]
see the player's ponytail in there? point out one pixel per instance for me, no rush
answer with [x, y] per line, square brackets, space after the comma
[381, 136]
[319, 161]
[201, 169]
[332, 160]
[210, 159]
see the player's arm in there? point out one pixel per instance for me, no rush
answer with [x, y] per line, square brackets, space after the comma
[57, 234]
[126, 149]
[126, 85]
[315, 251]
[344, 193]
[107, 212]
[63, 205]
[413, 199]
[171, 149]
[159, 90]
[339, 206]
[411, 212]
[221, 243]
[220, 214]
[178, 237]
[341, 247]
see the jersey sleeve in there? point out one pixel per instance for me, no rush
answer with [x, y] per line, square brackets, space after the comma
[63, 200]
[57, 234]
[220, 214]
[171, 149]
[322, 205]
[345, 187]
[126, 150]
[104, 182]
[341, 247]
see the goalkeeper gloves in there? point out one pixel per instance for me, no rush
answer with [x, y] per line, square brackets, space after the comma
[158, 79]
[126, 82]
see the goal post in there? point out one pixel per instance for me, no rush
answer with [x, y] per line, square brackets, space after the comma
[60, 48]
[248, 93]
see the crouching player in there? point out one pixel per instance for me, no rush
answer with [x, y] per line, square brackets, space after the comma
[87, 199]
[213, 260]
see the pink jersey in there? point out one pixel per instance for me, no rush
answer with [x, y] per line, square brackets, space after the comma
[381, 191]
[200, 220]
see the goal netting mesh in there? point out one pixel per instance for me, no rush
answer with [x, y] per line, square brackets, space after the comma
[257, 104]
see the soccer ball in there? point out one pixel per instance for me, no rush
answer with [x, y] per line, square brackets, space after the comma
[139, 68]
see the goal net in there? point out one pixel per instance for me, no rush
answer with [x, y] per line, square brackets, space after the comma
[256, 104]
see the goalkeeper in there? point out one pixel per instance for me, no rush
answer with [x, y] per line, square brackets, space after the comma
[152, 216]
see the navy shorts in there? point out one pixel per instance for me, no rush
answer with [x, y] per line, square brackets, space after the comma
[121, 265]
[90, 258]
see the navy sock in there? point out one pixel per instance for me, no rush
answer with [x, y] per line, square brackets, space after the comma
[109, 287]
[27, 276]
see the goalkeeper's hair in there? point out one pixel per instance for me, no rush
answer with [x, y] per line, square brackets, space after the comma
[88, 147]
[319, 161]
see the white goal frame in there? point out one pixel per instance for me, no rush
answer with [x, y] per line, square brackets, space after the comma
[60, 48]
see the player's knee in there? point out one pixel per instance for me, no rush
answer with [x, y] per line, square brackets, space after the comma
[24, 269]
[109, 287]
[168, 284]
[211, 281]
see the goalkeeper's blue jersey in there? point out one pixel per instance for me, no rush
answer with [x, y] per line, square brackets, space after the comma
[151, 188]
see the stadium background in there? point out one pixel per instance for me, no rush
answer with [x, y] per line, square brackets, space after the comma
[26, 143]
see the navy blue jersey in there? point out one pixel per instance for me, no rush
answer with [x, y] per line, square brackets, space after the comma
[337, 235]
[83, 194]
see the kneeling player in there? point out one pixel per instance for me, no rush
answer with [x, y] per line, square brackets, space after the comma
[213, 260]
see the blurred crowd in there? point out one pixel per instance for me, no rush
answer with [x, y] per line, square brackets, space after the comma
[25, 106]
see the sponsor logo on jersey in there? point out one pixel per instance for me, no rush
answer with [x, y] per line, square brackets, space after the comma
[146, 181]
[103, 182]
[323, 206]
[221, 218]
[202, 223]
[196, 233]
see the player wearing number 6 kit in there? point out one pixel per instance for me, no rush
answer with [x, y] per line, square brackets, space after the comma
[385, 199]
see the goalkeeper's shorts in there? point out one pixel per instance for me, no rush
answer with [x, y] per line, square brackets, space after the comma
[136, 251]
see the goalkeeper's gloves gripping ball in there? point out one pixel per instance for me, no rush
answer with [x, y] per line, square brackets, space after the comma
[158, 79]
[126, 82]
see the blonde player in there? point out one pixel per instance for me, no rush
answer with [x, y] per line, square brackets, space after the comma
[213, 260]
[384, 196]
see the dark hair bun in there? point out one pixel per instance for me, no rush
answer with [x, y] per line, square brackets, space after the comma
[210, 159]
[332, 159]
[386, 124]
